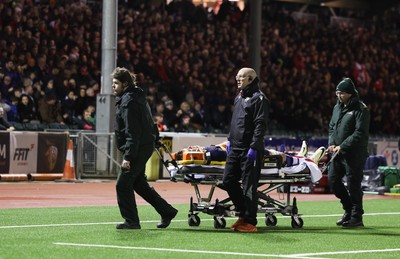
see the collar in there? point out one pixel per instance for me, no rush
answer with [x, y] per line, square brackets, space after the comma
[250, 89]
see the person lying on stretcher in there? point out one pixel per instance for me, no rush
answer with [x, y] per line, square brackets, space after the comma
[300, 162]
[216, 155]
[288, 164]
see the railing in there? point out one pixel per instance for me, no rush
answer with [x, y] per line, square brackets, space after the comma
[97, 155]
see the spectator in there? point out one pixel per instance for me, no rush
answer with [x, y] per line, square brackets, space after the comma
[198, 118]
[69, 104]
[26, 110]
[159, 121]
[185, 125]
[6, 107]
[50, 110]
[160, 108]
[9, 70]
[92, 111]
[10, 107]
[90, 97]
[219, 118]
[4, 124]
[6, 88]
[184, 111]
[170, 115]
[84, 122]
[81, 102]
[49, 89]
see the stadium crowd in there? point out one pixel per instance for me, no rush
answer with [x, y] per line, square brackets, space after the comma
[186, 58]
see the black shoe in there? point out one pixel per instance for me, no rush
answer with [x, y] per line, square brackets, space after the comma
[353, 223]
[127, 225]
[346, 217]
[165, 221]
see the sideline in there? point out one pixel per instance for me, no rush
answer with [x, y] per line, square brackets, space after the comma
[181, 220]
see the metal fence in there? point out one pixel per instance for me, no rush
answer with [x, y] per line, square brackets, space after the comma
[96, 155]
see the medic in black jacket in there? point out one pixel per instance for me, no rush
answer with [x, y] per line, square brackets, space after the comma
[246, 149]
[135, 136]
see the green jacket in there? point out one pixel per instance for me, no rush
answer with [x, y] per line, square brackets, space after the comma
[349, 129]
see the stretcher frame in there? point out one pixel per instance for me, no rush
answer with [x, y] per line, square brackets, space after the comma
[211, 175]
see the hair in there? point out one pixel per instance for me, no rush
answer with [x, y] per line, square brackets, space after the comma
[122, 74]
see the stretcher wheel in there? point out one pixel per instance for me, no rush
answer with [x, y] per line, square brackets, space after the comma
[219, 222]
[271, 220]
[194, 220]
[297, 222]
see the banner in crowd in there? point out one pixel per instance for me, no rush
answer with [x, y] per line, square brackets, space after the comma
[32, 152]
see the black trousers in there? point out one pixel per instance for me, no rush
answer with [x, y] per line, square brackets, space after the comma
[244, 194]
[134, 180]
[351, 196]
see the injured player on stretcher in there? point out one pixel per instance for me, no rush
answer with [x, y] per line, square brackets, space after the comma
[216, 156]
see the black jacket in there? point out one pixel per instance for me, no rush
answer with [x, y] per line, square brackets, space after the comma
[4, 125]
[349, 128]
[249, 118]
[134, 127]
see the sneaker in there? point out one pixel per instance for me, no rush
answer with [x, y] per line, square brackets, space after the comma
[353, 223]
[346, 217]
[165, 221]
[303, 150]
[238, 222]
[318, 154]
[246, 227]
[127, 225]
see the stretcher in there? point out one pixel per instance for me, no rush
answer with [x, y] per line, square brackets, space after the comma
[274, 177]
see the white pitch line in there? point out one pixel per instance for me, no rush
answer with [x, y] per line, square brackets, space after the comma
[59, 225]
[179, 250]
[181, 220]
[335, 215]
[347, 252]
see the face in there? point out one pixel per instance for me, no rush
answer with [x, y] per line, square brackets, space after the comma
[86, 114]
[244, 77]
[343, 97]
[25, 100]
[71, 95]
[117, 87]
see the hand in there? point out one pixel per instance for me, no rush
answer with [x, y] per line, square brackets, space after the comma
[334, 149]
[126, 164]
[252, 154]
[228, 147]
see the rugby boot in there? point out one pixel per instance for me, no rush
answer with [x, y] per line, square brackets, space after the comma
[246, 228]
[346, 217]
[303, 150]
[318, 154]
[238, 222]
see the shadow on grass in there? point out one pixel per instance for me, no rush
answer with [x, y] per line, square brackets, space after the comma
[384, 231]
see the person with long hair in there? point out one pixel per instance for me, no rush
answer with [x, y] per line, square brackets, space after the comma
[135, 135]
